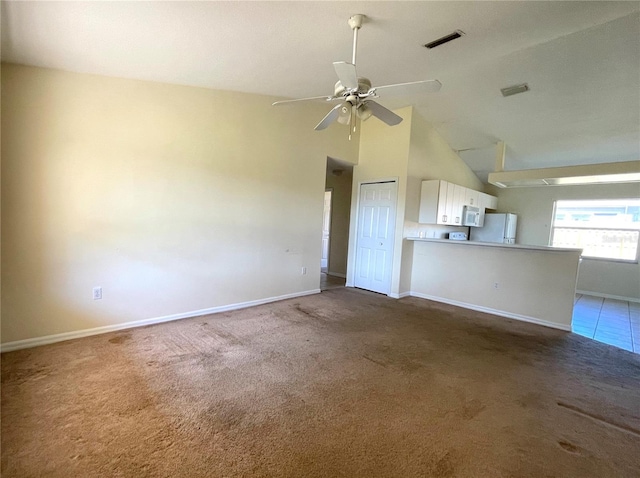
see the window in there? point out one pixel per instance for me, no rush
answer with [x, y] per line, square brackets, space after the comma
[607, 229]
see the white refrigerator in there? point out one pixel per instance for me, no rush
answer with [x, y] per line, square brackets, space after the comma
[497, 227]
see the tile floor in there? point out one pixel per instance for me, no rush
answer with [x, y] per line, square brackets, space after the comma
[614, 322]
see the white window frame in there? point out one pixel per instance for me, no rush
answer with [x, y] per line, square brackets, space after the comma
[596, 258]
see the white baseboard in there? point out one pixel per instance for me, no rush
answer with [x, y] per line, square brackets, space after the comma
[502, 313]
[607, 296]
[50, 339]
[400, 296]
[337, 274]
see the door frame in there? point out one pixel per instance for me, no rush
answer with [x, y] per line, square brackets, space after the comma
[326, 190]
[351, 265]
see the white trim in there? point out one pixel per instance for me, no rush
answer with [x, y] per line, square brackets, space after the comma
[400, 296]
[607, 296]
[502, 313]
[326, 269]
[389, 179]
[336, 274]
[50, 339]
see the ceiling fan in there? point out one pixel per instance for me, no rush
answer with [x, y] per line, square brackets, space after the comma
[356, 93]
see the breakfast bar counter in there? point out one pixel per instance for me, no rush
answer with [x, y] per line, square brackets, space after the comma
[524, 282]
[494, 244]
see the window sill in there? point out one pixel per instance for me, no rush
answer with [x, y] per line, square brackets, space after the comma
[605, 259]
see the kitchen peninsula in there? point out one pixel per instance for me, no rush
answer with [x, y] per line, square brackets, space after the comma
[530, 283]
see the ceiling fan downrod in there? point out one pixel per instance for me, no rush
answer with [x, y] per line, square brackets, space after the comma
[355, 22]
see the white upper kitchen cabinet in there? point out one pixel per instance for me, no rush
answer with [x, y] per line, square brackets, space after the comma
[457, 202]
[433, 202]
[472, 197]
[442, 202]
[488, 201]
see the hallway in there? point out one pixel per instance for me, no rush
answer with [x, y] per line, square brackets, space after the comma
[330, 282]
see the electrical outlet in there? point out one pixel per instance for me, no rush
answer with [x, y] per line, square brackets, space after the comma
[303, 271]
[496, 285]
[97, 293]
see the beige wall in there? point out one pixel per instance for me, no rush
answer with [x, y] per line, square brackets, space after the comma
[430, 157]
[534, 207]
[412, 151]
[384, 153]
[176, 199]
[536, 286]
[172, 199]
[340, 215]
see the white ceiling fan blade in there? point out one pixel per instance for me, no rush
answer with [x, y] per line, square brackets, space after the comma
[330, 118]
[409, 89]
[312, 98]
[346, 74]
[383, 113]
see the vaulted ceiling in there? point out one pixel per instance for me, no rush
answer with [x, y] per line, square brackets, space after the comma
[581, 61]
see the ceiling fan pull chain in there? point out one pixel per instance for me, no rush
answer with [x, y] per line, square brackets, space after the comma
[353, 117]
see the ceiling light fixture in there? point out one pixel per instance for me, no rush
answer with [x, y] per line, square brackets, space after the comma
[445, 39]
[514, 90]
[345, 113]
[604, 173]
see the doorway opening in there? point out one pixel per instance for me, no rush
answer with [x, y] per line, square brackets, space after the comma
[335, 223]
[326, 231]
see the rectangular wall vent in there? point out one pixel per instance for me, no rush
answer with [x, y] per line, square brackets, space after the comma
[444, 39]
[514, 90]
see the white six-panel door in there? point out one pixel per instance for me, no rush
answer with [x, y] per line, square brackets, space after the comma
[375, 235]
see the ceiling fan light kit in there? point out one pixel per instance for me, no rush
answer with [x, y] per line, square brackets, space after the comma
[345, 113]
[356, 93]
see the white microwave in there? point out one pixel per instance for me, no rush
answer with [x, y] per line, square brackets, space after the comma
[471, 216]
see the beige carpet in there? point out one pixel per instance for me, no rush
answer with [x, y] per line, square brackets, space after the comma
[341, 384]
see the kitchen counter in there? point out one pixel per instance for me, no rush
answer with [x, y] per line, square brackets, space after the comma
[495, 244]
[529, 283]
